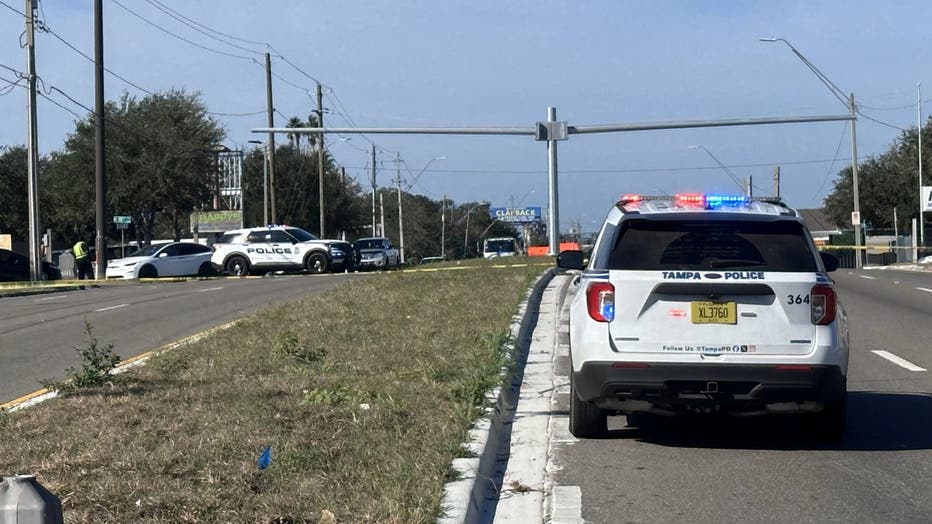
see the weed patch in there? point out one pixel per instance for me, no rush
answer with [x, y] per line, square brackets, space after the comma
[97, 364]
[365, 394]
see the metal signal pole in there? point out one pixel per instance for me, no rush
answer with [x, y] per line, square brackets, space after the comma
[401, 230]
[373, 190]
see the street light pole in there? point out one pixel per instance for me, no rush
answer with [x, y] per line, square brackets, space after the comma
[265, 181]
[852, 111]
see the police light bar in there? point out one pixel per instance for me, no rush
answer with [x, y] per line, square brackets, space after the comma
[711, 201]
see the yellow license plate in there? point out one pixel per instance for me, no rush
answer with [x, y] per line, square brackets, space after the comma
[714, 312]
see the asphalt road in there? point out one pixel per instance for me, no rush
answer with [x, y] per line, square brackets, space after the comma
[769, 470]
[38, 332]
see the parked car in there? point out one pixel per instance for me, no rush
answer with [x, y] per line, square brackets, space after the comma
[15, 267]
[274, 248]
[377, 253]
[723, 305]
[168, 260]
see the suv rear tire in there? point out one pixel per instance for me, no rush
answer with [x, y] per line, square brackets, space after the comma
[237, 266]
[316, 263]
[586, 420]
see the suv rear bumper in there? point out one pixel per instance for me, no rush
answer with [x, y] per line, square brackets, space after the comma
[726, 386]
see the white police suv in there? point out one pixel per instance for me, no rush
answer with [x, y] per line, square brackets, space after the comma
[706, 304]
[274, 248]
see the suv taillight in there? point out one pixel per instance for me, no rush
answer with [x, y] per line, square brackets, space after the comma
[600, 299]
[822, 304]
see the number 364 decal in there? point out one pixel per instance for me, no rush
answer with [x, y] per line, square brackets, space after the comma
[797, 299]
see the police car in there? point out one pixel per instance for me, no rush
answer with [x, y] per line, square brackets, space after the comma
[706, 304]
[274, 248]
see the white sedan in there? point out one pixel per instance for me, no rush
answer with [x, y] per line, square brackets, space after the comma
[167, 260]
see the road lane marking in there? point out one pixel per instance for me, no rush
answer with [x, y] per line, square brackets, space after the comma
[903, 363]
[109, 308]
[48, 298]
[927, 290]
[896, 281]
[566, 505]
[209, 289]
[868, 277]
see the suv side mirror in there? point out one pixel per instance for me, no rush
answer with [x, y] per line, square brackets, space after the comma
[829, 261]
[572, 259]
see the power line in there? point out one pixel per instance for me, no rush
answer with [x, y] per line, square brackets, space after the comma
[183, 39]
[289, 62]
[872, 119]
[831, 167]
[52, 100]
[44, 28]
[11, 8]
[184, 20]
[206, 28]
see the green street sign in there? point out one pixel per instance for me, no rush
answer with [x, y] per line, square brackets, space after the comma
[122, 220]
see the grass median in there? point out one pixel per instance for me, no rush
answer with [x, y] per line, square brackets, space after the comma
[364, 394]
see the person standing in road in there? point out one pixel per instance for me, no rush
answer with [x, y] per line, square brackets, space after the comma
[82, 260]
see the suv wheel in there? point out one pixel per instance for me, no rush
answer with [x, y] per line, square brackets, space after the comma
[316, 263]
[237, 266]
[586, 420]
[148, 271]
[206, 270]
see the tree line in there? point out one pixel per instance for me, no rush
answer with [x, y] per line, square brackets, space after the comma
[161, 165]
[886, 182]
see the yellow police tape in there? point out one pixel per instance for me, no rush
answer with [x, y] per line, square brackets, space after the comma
[73, 283]
[877, 248]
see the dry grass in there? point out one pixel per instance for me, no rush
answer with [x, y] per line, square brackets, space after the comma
[364, 394]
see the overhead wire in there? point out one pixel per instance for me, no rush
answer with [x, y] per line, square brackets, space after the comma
[831, 167]
[184, 20]
[183, 39]
[11, 8]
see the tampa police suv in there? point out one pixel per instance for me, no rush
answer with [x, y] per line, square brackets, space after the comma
[275, 248]
[706, 304]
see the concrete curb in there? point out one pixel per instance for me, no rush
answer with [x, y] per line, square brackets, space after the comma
[472, 499]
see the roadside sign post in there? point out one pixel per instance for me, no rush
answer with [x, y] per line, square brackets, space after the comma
[122, 222]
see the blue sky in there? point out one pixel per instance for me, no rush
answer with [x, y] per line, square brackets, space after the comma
[490, 63]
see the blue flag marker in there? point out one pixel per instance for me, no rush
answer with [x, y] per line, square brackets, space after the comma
[265, 458]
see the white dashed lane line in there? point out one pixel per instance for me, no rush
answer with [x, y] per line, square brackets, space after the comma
[868, 277]
[209, 289]
[927, 290]
[903, 363]
[109, 308]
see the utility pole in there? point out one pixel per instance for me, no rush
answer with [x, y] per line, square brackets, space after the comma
[32, 146]
[100, 162]
[381, 215]
[320, 158]
[372, 179]
[776, 181]
[401, 230]
[750, 192]
[922, 229]
[271, 117]
[443, 227]
[852, 110]
[553, 186]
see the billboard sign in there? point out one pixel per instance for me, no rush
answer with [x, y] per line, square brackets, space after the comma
[216, 221]
[519, 215]
[927, 198]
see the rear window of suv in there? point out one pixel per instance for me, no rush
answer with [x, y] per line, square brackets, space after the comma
[723, 245]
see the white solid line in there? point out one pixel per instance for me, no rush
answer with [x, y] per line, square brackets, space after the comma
[868, 277]
[209, 289]
[567, 505]
[927, 290]
[48, 298]
[109, 308]
[903, 363]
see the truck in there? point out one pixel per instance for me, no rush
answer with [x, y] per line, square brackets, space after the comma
[500, 247]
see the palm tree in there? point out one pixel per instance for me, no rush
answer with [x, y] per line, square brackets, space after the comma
[294, 138]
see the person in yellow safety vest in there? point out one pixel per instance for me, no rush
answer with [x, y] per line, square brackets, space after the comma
[82, 260]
